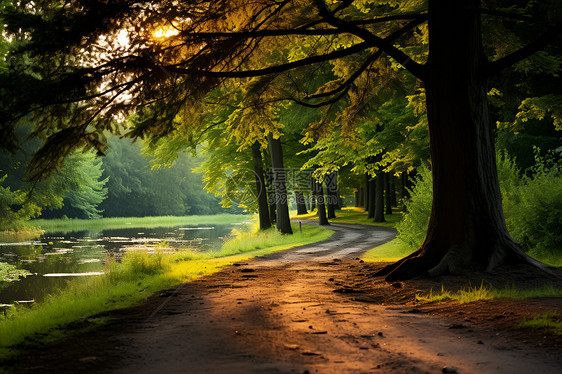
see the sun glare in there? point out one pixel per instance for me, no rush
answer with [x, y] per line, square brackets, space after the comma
[165, 32]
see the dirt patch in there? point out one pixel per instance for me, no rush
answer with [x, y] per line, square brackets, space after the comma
[312, 309]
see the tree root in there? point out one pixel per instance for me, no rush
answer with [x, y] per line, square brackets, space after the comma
[456, 260]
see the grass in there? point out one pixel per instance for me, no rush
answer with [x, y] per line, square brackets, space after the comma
[73, 224]
[10, 236]
[388, 252]
[486, 292]
[139, 275]
[550, 321]
[357, 216]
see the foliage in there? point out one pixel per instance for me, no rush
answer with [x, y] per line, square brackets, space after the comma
[533, 210]
[532, 206]
[76, 184]
[85, 189]
[412, 229]
[10, 273]
[137, 188]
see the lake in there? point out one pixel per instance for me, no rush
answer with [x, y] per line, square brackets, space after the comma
[57, 258]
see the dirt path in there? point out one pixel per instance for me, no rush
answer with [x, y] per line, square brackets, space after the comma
[298, 311]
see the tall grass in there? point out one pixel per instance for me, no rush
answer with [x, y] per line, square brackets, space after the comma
[20, 235]
[136, 277]
[487, 292]
[73, 224]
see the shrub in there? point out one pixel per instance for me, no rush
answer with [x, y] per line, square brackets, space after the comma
[532, 205]
[412, 229]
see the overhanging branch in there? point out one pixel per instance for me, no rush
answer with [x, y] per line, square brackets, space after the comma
[272, 69]
[531, 48]
[418, 70]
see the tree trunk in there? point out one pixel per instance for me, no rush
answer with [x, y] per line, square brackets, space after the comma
[301, 206]
[379, 198]
[319, 193]
[387, 193]
[270, 196]
[393, 201]
[263, 208]
[331, 192]
[467, 227]
[280, 185]
[313, 196]
[371, 208]
[367, 192]
[356, 199]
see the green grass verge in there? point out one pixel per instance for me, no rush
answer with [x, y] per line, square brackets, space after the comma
[356, 216]
[548, 321]
[486, 292]
[139, 275]
[388, 252]
[73, 224]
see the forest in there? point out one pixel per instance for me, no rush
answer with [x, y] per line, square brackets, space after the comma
[443, 118]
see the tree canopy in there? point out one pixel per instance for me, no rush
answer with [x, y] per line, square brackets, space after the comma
[80, 69]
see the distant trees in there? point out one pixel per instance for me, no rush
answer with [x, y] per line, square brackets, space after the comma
[137, 188]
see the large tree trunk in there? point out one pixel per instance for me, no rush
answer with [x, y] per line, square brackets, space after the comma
[280, 185]
[319, 193]
[467, 227]
[379, 198]
[263, 207]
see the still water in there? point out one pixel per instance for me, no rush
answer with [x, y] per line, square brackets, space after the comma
[57, 258]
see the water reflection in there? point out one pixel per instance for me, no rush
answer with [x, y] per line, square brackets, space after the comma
[57, 258]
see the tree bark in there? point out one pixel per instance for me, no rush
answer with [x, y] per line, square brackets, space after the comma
[301, 205]
[371, 208]
[270, 196]
[263, 207]
[319, 193]
[331, 192]
[367, 191]
[280, 185]
[393, 201]
[387, 193]
[378, 182]
[467, 227]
